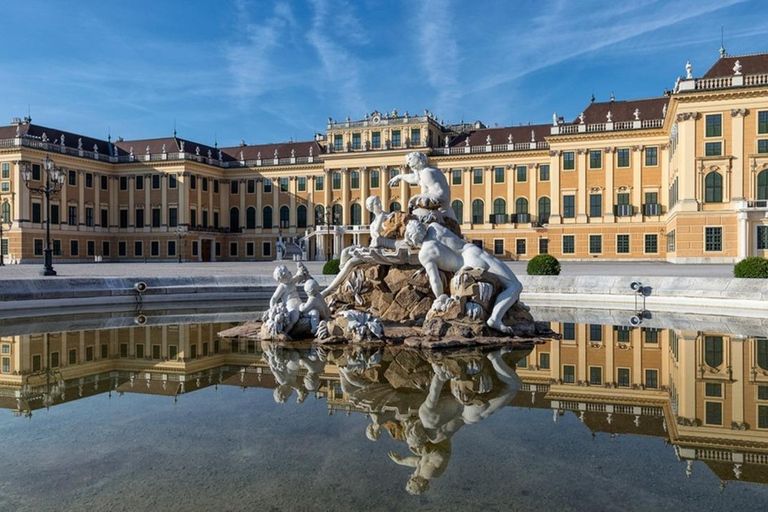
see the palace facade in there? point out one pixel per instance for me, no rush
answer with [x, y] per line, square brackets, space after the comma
[682, 177]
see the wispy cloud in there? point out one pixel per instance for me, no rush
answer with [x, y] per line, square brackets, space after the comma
[439, 51]
[340, 76]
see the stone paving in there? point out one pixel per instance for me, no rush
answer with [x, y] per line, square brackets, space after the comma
[634, 269]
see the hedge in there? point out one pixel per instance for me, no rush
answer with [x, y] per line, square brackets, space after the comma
[331, 267]
[753, 268]
[544, 265]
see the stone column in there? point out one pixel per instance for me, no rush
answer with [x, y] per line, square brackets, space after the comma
[581, 193]
[310, 204]
[637, 183]
[686, 158]
[20, 198]
[555, 193]
[468, 193]
[199, 201]
[610, 194]
[581, 343]
[164, 200]
[80, 200]
[293, 188]
[275, 204]
[511, 180]
[345, 195]
[259, 202]
[738, 191]
[636, 339]
[224, 202]
[665, 182]
[114, 201]
[488, 185]
[131, 201]
[384, 179]
[743, 235]
[533, 179]
[364, 192]
[96, 202]
[687, 373]
[610, 356]
[738, 346]
[181, 185]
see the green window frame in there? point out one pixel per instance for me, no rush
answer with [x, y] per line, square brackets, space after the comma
[595, 159]
[569, 206]
[477, 176]
[713, 239]
[595, 244]
[714, 125]
[521, 172]
[713, 413]
[622, 244]
[544, 172]
[651, 156]
[569, 244]
[456, 177]
[596, 205]
[569, 160]
[569, 331]
[622, 157]
[651, 243]
[498, 175]
[713, 351]
[713, 149]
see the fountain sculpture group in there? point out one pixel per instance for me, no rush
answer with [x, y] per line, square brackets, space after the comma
[418, 282]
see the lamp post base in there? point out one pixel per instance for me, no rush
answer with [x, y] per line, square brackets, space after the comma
[48, 263]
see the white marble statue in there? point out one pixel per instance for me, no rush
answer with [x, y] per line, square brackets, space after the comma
[283, 312]
[441, 249]
[435, 192]
[688, 70]
[315, 307]
[373, 205]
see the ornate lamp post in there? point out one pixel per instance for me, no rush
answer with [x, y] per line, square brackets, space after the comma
[3, 220]
[54, 179]
[181, 233]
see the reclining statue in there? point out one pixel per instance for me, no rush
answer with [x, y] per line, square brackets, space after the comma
[441, 249]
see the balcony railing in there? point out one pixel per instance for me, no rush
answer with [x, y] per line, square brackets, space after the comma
[491, 148]
[635, 124]
[522, 218]
[624, 210]
[760, 203]
[498, 218]
[652, 209]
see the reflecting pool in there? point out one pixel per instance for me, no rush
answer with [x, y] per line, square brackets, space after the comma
[104, 414]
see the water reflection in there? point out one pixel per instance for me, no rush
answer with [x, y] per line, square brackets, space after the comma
[706, 393]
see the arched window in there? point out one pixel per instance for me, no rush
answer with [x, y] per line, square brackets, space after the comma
[713, 188]
[713, 350]
[356, 214]
[267, 215]
[762, 353]
[319, 215]
[301, 216]
[234, 219]
[5, 212]
[762, 185]
[285, 216]
[394, 206]
[458, 209]
[499, 207]
[477, 211]
[545, 207]
[250, 218]
[521, 205]
[337, 212]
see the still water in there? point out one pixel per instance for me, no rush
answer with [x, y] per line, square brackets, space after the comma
[99, 413]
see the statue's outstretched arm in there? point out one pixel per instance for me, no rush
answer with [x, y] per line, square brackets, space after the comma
[411, 461]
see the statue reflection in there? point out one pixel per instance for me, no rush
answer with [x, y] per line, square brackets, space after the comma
[286, 363]
[405, 393]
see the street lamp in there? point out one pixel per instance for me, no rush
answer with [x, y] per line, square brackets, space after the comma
[54, 180]
[181, 233]
[3, 220]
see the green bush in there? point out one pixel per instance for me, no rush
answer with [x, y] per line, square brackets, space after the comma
[544, 265]
[331, 267]
[751, 268]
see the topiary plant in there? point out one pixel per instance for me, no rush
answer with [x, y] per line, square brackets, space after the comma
[331, 267]
[752, 268]
[544, 265]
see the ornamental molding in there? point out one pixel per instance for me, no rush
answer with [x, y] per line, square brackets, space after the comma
[736, 112]
[581, 151]
[685, 116]
[609, 149]
[555, 152]
[638, 148]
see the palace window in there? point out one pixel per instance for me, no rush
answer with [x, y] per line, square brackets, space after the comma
[762, 238]
[713, 389]
[73, 178]
[651, 244]
[154, 248]
[395, 138]
[139, 216]
[713, 149]
[338, 143]
[458, 210]
[354, 178]
[569, 161]
[319, 182]
[267, 185]
[205, 184]
[522, 173]
[301, 216]
[301, 183]
[138, 248]
[336, 181]
[651, 156]
[375, 178]
[622, 244]
[569, 331]
[762, 122]
[623, 377]
[477, 176]
[266, 216]
[762, 185]
[520, 246]
[415, 136]
[88, 180]
[713, 350]
[498, 175]
[6, 171]
[139, 182]
[356, 214]
[762, 353]
[173, 181]
[284, 184]
[569, 244]
[595, 375]
[544, 172]
[544, 360]
[356, 141]
[498, 247]
[36, 172]
[545, 207]
[54, 213]
[595, 205]
[762, 146]
[123, 182]
[173, 217]
[375, 140]
[713, 239]
[651, 379]
[456, 177]
[73, 215]
[74, 248]
[477, 211]
[622, 333]
[543, 245]
[156, 182]
[569, 374]
[595, 244]
[651, 334]
[622, 157]
[595, 159]
[89, 216]
[714, 124]
[569, 206]
[713, 413]
[595, 332]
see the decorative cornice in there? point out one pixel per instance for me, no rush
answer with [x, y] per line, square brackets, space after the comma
[685, 116]
[736, 112]
[637, 148]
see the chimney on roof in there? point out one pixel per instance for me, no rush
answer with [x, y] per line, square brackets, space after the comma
[613, 97]
[242, 143]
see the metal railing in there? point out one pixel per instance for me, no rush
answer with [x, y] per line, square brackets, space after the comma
[623, 210]
[651, 209]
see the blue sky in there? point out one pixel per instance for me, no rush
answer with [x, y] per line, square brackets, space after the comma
[270, 70]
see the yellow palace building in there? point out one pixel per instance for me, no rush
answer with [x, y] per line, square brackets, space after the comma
[682, 177]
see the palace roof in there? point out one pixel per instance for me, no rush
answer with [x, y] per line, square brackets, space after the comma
[501, 135]
[750, 65]
[650, 108]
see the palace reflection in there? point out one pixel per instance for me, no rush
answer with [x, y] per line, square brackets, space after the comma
[705, 393]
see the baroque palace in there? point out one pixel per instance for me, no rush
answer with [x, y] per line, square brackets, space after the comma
[682, 177]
